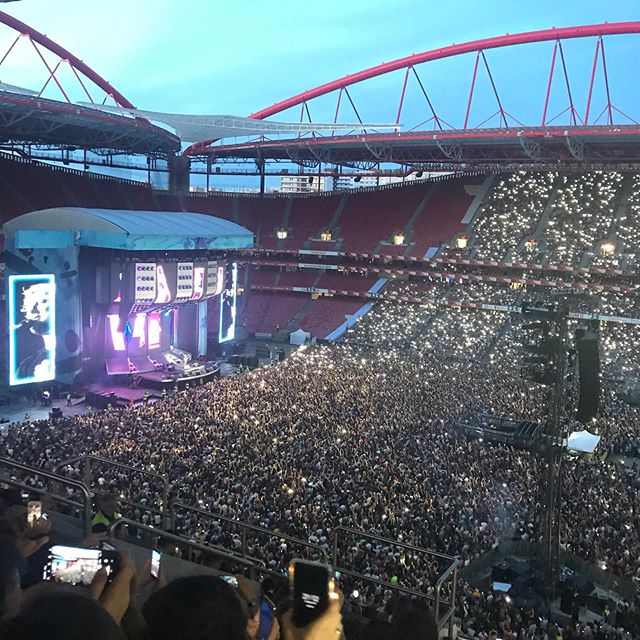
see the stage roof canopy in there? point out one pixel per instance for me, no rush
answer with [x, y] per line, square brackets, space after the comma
[126, 230]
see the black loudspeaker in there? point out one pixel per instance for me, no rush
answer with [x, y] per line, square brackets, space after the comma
[127, 294]
[589, 368]
[55, 413]
[103, 284]
[501, 572]
[179, 174]
[566, 598]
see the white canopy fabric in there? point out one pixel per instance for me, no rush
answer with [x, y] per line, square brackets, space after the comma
[299, 337]
[12, 88]
[191, 128]
[583, 441]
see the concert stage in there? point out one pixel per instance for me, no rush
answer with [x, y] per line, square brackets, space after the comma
[119, 389]
[101, 395]
[129, 299]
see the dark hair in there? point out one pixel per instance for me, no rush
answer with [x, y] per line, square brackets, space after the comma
[195, 608]
[416, 624]
[10, 562]
[62, 616]
[380, 630]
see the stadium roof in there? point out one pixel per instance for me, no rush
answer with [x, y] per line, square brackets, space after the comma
[196, 127]
[27, 118]
[611, 144]
[123, 229]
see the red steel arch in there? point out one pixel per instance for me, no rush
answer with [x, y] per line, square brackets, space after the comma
[478, 46]
[508, 40]
[64, 54]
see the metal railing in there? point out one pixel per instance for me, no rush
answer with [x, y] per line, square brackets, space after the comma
[444, 606]
[87, 461]
[245, 529]
[84, 508]
[450, 573]
[192, 544]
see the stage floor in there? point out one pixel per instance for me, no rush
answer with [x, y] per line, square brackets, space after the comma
[125, 395]
[17, 411]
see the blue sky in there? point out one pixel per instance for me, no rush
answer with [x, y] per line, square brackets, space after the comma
[212, 56]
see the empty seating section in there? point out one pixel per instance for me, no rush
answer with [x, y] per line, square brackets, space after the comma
[260, 276]
[221, 206]
[26, 186]
[328, 314]
[308, 217]
[373, 217]
[582, 215]
[510, 213]
[297, 279]
[342, 282]
[441, 219]
[247, 211]
[266, 312]
[269, 219]
[322, 245]
[392, 249]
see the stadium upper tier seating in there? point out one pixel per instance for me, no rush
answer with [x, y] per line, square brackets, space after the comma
[27, 186]
[532, 216]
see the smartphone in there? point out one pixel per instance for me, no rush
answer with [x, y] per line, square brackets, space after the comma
[75, 565]
[311, 583]
[232, 580]
[34, 511]
[155, 563]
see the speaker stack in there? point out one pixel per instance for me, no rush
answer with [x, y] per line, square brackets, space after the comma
[589, 375]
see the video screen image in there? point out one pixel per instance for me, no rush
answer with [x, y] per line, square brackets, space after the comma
[32, 335]
[73, 565]
[228, 307]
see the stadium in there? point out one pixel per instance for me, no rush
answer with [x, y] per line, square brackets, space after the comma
[360, 364]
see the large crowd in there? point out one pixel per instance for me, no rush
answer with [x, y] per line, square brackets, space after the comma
[362, 434]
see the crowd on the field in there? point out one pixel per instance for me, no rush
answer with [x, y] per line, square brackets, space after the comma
[362, 434]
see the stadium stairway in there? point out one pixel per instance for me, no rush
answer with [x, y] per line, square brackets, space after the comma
[622, 206]
[408, 229]
[480, 192]
[333, 223]
[294, 323]
[285, 221]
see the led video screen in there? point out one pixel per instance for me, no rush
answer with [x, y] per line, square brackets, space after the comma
[228, 306]
[32, 332]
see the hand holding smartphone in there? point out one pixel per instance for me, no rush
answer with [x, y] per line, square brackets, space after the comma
[155, 563]
[311, 584]
[34, 512]
[75, 565]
